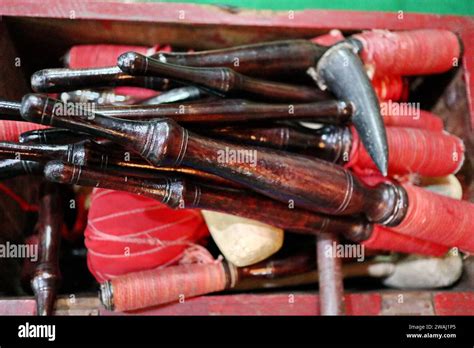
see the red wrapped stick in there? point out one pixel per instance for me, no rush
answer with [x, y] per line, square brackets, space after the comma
[423, 119]
[160, 286]
[11, 130]
[383, 238]
[413, 151]
[438, 219]
[415, 52]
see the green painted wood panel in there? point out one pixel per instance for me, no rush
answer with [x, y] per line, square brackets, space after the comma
[453, 7]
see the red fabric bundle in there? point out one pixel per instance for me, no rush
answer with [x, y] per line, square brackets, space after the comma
[412, 150]
[390, 87]
[11, 130]
[130, 233]
[414, 52]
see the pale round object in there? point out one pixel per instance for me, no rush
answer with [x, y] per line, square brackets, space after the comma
[243, 241]
[446, 185]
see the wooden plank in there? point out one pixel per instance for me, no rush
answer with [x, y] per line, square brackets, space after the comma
[457, 303]
[408, 303]
[376, 303]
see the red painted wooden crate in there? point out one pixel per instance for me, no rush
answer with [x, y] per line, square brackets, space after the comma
[39, 32]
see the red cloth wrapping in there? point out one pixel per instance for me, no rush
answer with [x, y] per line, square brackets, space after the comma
[415, 52]
[412, 150]
[155, 287]
[424, 119]
[11, 130]
[390, 87]
[438, 219]
[130, 233]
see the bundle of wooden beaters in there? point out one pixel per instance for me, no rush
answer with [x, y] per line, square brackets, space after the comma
[335, 159]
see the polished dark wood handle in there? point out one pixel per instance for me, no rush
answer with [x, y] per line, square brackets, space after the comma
[329, 143]
[234, 110]
[50, 136]
[81, 153]
[185, 193]
[223, 81]
[307, 182]
[10, 110]
[32, 152]
[10, 168]
[106, 156]
[46, 278]
[267, 59]
[60, 80]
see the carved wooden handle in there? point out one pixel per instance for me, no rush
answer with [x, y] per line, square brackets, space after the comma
[10, 168]
[328, 143]
[221, 80]
[10, 110]
[265, 59]
[183, 193]
[234, 110]
[60, 80]
[312, 184]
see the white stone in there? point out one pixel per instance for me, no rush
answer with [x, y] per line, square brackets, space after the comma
[243, 241]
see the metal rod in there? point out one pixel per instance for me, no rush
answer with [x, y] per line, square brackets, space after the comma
[331, 288]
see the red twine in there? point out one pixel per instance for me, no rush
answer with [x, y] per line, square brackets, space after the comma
[420, 119]
[415, 52]
[438, 219]
[155, 287]
[412, 151]
[383, 238]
